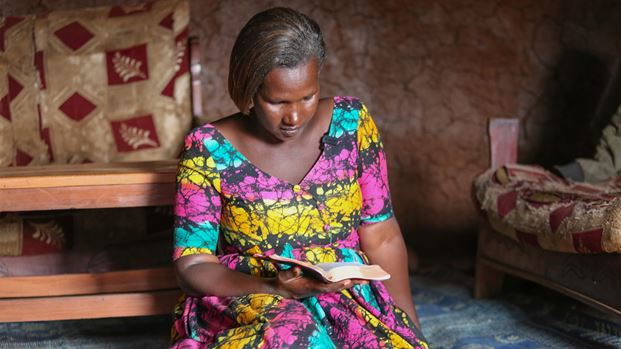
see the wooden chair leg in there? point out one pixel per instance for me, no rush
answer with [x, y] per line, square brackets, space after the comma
[487, 280]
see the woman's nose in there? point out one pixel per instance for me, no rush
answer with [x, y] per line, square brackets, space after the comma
[292, 116]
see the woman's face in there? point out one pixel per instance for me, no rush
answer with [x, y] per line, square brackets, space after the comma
[287, 100]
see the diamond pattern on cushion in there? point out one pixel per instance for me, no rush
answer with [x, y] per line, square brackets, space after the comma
[74, 35]
[77, 107]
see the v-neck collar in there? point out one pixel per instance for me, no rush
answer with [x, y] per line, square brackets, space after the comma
[311, 170]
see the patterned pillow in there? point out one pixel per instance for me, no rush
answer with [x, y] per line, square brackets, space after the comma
[114, 82]
[35, 234]
[95, 85]
[537, 208]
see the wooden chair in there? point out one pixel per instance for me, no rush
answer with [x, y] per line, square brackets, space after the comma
[86, 186]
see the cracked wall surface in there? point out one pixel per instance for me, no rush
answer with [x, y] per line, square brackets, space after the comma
[432, 73]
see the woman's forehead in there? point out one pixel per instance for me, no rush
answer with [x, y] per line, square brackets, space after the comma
[303, 76]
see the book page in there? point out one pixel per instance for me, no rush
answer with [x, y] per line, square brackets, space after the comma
[333, 272]
[346, 270]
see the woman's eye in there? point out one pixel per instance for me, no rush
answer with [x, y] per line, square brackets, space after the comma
[308, 98]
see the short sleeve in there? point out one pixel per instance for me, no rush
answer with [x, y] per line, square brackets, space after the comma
[373, 173]
[197, 205]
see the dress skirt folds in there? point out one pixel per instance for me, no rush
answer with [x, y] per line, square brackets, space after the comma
[224, 200]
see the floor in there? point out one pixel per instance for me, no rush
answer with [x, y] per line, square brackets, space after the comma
[526, 316]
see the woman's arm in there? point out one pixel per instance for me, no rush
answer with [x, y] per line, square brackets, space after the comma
[383, 244]
[201, 275]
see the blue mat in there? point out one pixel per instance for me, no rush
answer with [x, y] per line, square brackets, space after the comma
[529, 317]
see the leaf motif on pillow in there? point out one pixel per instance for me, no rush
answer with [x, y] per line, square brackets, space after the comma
[136, 137]
[179, 53]
[127, 67]
[49, 233]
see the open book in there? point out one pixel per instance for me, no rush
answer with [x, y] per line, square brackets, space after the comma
[333, 272]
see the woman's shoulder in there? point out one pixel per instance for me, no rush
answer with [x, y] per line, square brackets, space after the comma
[211, 130]
[348, 103]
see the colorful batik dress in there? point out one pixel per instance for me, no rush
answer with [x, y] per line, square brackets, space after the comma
[224, 199]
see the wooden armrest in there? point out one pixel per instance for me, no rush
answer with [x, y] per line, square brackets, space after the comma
[503, 136]
[96, 185]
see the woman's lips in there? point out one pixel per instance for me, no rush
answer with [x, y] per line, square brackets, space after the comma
[289, 131]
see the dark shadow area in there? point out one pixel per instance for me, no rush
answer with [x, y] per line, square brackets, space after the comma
[573, 97]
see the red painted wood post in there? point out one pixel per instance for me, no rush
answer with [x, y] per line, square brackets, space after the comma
[503, 136]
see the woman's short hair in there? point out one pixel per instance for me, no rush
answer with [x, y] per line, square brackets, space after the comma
[278, 37]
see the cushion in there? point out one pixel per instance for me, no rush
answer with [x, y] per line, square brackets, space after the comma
[35, 233]
[537, 208]
[114, 82]
[101, 84]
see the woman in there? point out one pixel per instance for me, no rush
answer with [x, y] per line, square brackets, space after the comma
[295, 175]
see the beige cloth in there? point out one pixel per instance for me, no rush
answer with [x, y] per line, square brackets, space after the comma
[607, 160]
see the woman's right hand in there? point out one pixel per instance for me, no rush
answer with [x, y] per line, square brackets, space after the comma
[292, 284]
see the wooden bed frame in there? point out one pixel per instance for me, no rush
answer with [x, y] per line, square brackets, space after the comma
[88, 186]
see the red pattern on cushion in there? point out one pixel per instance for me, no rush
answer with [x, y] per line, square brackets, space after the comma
[135, 133]
[45, 235]
[507, 203]
[558, 216]
[568, 216]
[167, 22]
[77, 107]
[35, 233]
[5, 110]
[588, 241]
[8, 23]
[127, 65]
[74, 35]
[14, 87]
[22, 158]
[169, 89]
